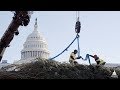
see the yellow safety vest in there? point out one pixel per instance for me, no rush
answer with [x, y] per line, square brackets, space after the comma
[101, 61]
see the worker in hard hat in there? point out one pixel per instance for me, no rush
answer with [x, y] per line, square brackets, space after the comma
[73, 57]
[98, 60]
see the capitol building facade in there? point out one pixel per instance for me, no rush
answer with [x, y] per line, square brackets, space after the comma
[34, 47]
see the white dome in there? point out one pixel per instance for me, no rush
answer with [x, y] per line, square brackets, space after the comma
[35, 46]
[35, 41]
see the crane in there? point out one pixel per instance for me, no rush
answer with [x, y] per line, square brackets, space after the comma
[20, 18]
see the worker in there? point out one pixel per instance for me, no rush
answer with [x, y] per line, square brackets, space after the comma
[73, 58]
[98, 60]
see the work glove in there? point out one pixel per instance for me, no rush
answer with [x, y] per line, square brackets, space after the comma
[79, 57]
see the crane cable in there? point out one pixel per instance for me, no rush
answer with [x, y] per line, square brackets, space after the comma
[77, 15]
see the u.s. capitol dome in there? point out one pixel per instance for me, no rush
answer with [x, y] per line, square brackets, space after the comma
[34, 47]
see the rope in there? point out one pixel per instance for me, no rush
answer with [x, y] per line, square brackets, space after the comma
[78, 46]
[87, 58]
[64, 49]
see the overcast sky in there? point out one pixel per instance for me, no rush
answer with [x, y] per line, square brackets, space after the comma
[100, 34]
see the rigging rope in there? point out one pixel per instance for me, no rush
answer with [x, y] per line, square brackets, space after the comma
[77, 36]
[78, 46]
[87, 58]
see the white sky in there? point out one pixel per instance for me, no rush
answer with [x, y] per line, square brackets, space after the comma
[99, 34]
